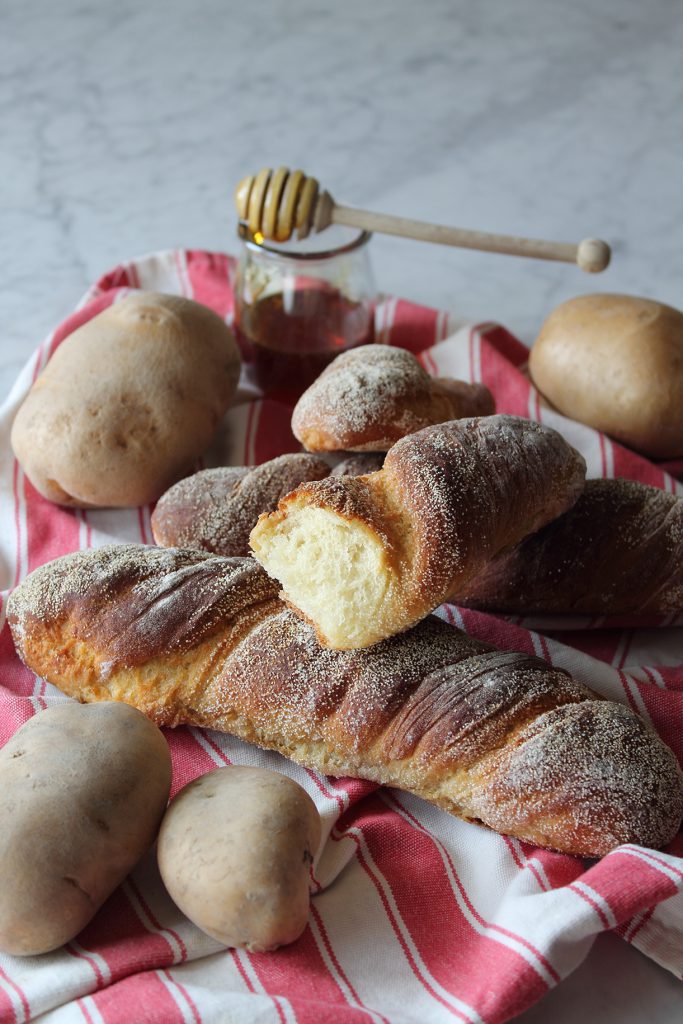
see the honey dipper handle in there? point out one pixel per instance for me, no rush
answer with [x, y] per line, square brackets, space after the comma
[591, 255]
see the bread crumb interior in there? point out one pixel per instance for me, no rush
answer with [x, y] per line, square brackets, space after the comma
[333, 570]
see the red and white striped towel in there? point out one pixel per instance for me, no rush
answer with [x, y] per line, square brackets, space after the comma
[417, 916]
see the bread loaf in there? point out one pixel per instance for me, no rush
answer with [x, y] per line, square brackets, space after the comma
[362, 559]
[499, 738]
[370, 397]
[615, 362]
[216, 509]
[128, 402]
[617, 551]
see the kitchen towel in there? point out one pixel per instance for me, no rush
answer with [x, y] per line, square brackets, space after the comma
[416, 916]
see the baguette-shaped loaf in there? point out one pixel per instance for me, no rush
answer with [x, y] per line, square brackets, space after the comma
[499, 738]
[617, 551]
[362, 559]
[370, 397]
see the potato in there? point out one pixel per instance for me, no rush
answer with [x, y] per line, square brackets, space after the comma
[615, 362]
[83, 788]
[127, 403]
[234, 851]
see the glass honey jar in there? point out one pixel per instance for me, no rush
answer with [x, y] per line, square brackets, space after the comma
[298, 305]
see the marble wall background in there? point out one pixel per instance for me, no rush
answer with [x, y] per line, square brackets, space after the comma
[123, 128]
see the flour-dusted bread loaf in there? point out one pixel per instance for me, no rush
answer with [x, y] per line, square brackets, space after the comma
[615, 362]
[362, 559]
[617, 551]
[370, 397]
[216, 509]
[128, 402]
[499, 738]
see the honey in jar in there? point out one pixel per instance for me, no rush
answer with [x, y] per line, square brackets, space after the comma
[296, 311]
[292, 336]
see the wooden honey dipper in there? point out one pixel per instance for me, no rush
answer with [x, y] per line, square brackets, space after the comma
[275, 203]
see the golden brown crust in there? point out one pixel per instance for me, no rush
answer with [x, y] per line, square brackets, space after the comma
[134, 603]
[474, 488]
[467, 400]
[573, 769]
[500, 738]
[216, 509]
[370, 397]
[618, 551]
[447, 500]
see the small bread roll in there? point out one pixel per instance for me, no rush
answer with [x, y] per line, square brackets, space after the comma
[615, 362]
[370, 397]
[127, 403]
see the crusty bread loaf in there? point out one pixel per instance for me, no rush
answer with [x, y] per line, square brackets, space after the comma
[362, 559]
[494, 737]
[128, 402]
[370, 397]
[216, 509]
[617, 551]
[615, 362]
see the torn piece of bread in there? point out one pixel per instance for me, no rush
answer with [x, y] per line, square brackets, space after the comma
[362, 559]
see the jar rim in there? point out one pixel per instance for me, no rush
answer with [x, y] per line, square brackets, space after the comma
[245, 233]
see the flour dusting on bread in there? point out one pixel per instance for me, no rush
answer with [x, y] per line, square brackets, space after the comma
[215, 510]
[365, 558]
[499, 737]
[370, 397]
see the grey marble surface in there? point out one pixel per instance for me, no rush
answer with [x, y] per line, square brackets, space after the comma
[123, 128]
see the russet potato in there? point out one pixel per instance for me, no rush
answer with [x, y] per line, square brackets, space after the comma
[615, 362]
[83, 788]
[235, 850]
[127, 403]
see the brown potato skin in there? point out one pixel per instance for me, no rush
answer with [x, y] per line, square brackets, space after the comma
[83, 788]
[615, 362]
[234, 851]
[127, 403]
